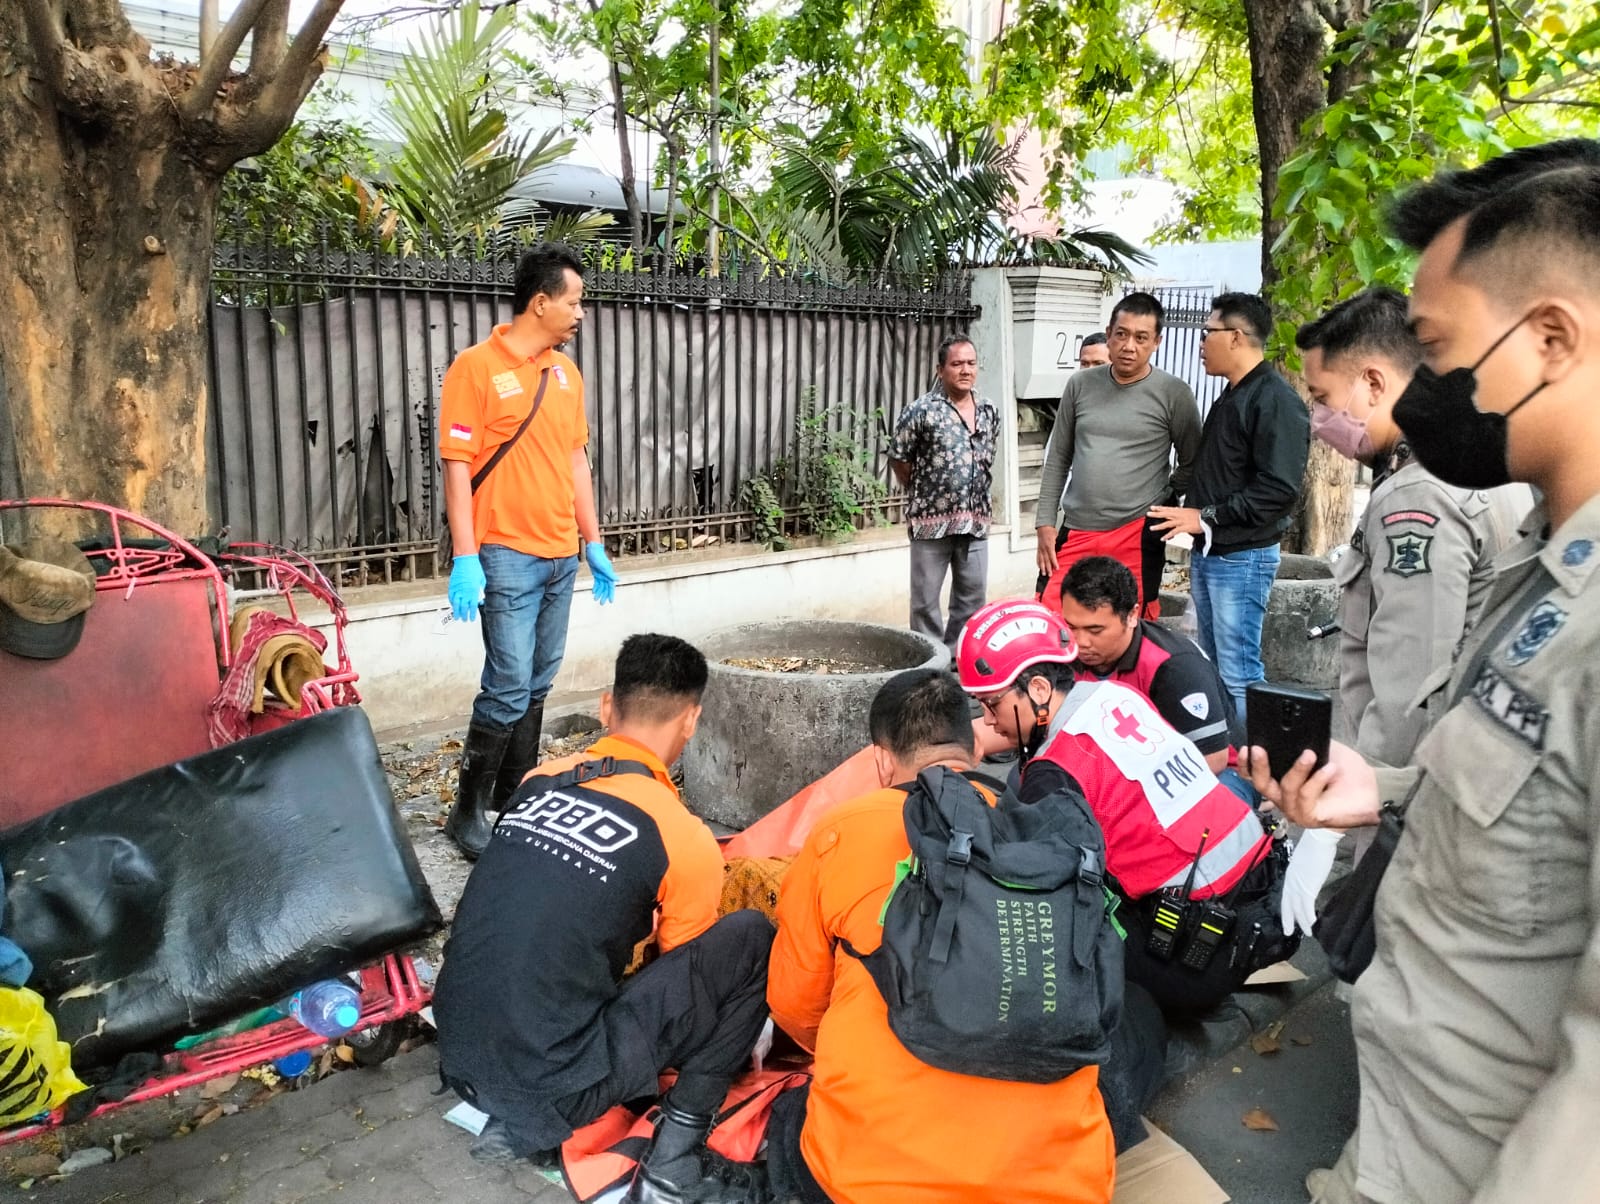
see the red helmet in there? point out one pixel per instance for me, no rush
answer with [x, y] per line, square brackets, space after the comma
[1004, 638]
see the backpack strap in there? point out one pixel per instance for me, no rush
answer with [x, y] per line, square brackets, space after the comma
[957, 809]
[586, 771]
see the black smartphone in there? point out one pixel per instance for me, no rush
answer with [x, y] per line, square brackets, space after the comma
[1287, 720]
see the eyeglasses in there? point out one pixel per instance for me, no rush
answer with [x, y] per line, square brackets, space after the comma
[1208, 331]
[991, 702]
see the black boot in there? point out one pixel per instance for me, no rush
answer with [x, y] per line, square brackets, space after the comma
[680, 1170]
[522, 753]
[495, 1145]
[481, 755]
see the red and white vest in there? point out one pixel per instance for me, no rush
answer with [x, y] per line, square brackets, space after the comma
[1153, 794]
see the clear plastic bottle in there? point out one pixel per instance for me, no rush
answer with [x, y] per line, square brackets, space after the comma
[330, 1008]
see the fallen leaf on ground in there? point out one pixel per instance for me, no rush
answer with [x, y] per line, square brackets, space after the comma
[344, 1053]
[1258, 1120]
[218, 1086]
[214, 1114]
[1300, 1040]
[1266, 1042]
[36, 1166]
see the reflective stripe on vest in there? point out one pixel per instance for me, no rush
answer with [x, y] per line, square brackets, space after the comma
[1153, 793]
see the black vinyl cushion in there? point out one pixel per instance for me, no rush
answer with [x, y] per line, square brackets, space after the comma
[174, 901]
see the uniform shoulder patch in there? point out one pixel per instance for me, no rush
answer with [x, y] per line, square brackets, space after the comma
[1537, 630]
[1518, 712]
[1411, 516]
[1408, 554]
[1197, 704]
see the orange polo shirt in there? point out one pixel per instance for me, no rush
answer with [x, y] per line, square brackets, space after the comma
[883, 1127]
[527, 502]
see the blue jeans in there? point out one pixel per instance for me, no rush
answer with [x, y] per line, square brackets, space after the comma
[1230, 606]
[526, 602]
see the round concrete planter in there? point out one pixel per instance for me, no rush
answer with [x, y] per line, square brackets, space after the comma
[765, 735]
[1304, 595]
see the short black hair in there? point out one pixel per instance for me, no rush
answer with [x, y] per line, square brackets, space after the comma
[1545, 225]
[1249, 308]
[1420, 214]
[543, 269]
[1096, 339]
[954, 340]
[1140, 305]
[1060, 676]
[1370, 323]
[1097, 581]
[657, 676]
[920, 708]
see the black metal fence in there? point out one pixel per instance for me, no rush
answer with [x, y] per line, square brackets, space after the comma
[326, 366]
[1187, 308]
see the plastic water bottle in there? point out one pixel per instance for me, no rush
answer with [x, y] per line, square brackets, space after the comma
[330, 1008]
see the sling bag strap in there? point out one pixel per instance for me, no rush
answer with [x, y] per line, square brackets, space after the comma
[446, 550]
[500, 452]
[587, 771]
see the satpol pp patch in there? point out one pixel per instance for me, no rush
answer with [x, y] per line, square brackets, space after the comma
[1515, 710]
[1408, 554]
[1537, 630]
[1197, 704]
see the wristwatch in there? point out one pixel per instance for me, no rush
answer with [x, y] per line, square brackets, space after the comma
[1208, 515]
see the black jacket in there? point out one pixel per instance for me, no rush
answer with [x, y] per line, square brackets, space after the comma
[1252, 461]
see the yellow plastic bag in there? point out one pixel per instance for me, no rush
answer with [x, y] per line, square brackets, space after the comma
[35, 1069]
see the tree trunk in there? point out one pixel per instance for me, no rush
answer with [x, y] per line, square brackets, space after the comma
[105, 267]
[1288, 89]
[630, 178]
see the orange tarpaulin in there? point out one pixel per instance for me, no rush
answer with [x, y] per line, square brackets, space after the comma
[782, 831]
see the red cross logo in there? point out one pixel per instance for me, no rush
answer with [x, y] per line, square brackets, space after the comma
[1127, 727]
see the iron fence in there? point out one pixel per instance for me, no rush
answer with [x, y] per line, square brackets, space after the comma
[326, 367]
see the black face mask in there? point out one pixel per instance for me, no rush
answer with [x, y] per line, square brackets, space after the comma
[1449, 435]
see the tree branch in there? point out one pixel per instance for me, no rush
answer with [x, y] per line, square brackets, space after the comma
[218, 61]
[299, 68]
[270, 42]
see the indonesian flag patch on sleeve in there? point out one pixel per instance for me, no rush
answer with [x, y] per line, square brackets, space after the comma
[458, 431]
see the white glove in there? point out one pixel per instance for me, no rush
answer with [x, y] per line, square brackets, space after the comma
[763, 1046]
[1308, 870]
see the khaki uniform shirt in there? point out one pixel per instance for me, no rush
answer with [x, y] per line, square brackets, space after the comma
[1414, 579]
[1478, 1022]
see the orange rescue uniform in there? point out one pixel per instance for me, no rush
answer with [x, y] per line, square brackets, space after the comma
[527, 503]
[882, 1127]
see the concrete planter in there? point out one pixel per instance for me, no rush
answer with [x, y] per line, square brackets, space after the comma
[1303, 596]
[765, 735]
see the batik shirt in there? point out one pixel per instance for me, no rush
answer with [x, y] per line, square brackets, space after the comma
[951, 466]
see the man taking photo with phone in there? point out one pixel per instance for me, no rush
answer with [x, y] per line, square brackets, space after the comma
[1478, 1019]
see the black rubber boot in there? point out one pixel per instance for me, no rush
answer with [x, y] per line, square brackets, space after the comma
[680, 1170]
[522, 754]
[495, 1145]
[481, 755]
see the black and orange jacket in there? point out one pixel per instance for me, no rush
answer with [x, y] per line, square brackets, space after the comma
[882, 1127]
[571, 881]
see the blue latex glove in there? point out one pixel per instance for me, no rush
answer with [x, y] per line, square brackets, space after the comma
[467, 584]
[605, 577]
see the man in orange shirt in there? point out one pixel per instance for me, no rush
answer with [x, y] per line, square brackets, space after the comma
[878, 1126]
[518, 495]
[536, 1025]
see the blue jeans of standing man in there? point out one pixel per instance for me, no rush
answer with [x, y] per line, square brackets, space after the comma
[526, 602]
[1230, 593]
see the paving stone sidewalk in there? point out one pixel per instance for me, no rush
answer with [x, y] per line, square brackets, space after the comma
[372, 1136]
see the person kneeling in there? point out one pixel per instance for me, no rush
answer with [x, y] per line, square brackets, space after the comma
[537, 1026]
[880, 1124]
[1199, 878]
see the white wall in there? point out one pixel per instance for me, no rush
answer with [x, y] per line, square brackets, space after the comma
[415, 671]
